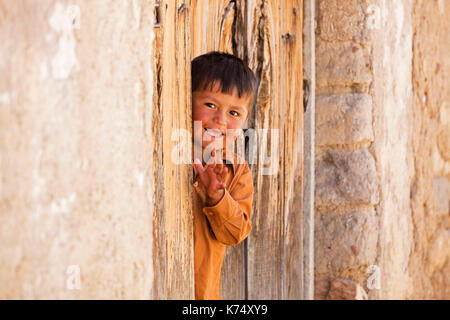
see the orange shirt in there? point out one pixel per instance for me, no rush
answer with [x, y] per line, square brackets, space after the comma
[226, 223]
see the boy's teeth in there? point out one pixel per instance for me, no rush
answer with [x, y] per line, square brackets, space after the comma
[214, 133]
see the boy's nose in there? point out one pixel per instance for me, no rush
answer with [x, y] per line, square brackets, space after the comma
[220, 118]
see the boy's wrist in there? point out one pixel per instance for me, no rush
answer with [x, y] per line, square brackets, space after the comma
[212, 201]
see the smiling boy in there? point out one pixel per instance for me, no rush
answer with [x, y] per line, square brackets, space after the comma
[222, 93]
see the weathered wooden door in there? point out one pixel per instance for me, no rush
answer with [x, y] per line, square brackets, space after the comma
[267, 34]
[173, 219]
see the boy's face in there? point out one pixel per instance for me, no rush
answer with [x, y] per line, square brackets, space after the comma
[221, 116]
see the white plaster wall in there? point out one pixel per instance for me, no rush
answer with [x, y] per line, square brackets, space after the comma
[392, 65]
[76, 195]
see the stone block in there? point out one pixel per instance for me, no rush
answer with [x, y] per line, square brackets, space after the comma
[343, 118]
[341, 289]
[338, 289]
[321, 288]
[343, 240]
[443, 138]
[439, 249]
[441, 187]
[341, 20]
[342, 63]
[345, 177]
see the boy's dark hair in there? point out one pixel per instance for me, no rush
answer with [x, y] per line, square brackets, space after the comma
[225, 69]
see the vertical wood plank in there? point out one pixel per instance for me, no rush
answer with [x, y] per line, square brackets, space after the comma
[233, 275]
[275, 244]
[265, 242]
[292, 57]
[211, 26]
[173, 215]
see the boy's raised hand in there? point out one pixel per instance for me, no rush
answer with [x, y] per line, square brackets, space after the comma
[212, 176]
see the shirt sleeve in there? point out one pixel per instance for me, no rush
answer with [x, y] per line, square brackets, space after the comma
[230, 217]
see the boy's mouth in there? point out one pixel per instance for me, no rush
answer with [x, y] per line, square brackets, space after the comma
[213, 132]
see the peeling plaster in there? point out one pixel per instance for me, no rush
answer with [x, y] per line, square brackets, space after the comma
[1, 178]
[384, 12]
[82, 164]
[44, 70]
[441, 6]
[137, 102]
[444, 113]
[136, 14]
[39, 187]
[64, 205]
[120, 24]
[440, 166]
[63, 21]
[5, 98]
[140, 178]
[394, 95]
[399, 13]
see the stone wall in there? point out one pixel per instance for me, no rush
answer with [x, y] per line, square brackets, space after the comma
[347, 184]
[382, 170]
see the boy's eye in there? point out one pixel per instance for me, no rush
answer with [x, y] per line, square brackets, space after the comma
[234, 113]
[210, 105]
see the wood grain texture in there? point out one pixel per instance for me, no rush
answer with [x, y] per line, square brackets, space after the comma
[275, 253]
[292, 56]
[211, 26]
[174, 276]
[233, 275]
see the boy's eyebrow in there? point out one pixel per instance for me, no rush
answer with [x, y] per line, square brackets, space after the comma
[237, 107]
[211, 98]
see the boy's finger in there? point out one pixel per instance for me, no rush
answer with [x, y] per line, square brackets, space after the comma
[201, 172]
[198, 165]
[211, 171]
[224, 174]
[212, 162]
